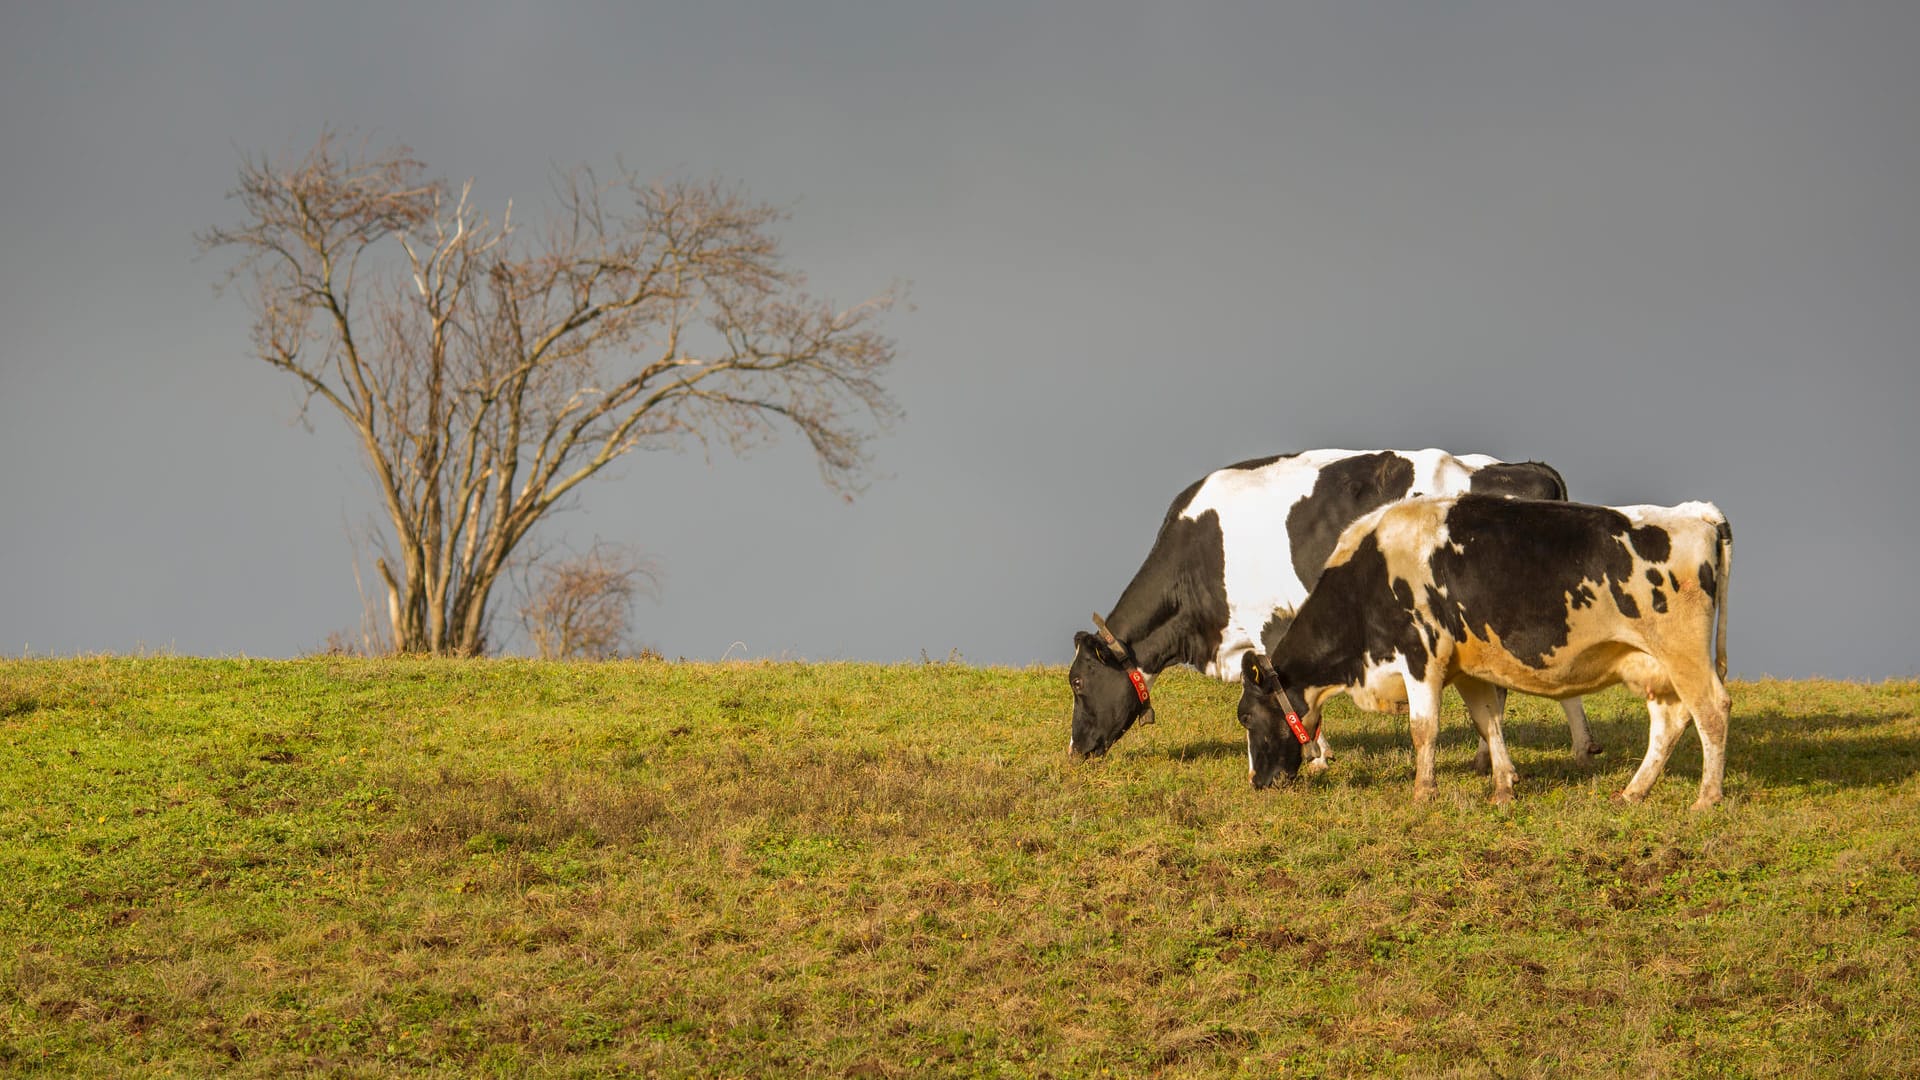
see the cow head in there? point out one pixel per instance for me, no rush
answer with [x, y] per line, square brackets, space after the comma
[1109, 693]
[1273, 745]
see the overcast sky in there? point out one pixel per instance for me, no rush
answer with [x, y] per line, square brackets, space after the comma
[1671, 248]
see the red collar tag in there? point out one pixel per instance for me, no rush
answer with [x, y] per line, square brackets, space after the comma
[1140, 684]
[1299, 729]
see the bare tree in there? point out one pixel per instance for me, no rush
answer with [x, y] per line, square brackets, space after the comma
[581, 606]
[486, 377]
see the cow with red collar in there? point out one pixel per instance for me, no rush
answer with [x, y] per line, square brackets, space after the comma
[1235, 557]
[1547, 598]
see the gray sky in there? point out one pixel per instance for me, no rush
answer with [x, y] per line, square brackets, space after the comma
[1671, 248]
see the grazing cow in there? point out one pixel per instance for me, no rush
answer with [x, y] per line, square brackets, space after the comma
[1235, 557]
[1547, 598]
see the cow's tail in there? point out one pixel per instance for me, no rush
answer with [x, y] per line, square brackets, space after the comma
[1723, 573]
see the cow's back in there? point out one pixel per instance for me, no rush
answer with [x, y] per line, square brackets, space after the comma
[1543, 597]
[1281, 518]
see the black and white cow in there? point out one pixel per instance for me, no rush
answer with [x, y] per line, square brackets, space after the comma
[1547, 598]
[1235, 557]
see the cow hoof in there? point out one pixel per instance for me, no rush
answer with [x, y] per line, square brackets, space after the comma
[1628, 798]
[1503, 798]
[1595, 749]
[1704, 804]
[1424, 795]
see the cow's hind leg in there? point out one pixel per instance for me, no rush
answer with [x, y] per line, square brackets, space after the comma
[1583, 745]
[1667, 718]
[1707, 699]
[1486, 704]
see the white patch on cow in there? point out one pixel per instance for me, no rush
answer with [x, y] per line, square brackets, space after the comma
[1252, 505]
[1648, 514]
[1383, 686]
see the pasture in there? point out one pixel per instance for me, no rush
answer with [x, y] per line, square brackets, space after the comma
[367, 868]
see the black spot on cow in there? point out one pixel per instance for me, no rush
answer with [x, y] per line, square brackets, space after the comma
[1411, 646]
[1624, 600]
[1653, 577]
[1431, 640]
[1707, 583]
[1447, 614]
[1659, 601]
[1402, 590]
[1531, 562]
[1343, 492]
[1672, 581]
[1652, 543]
[1519, 480]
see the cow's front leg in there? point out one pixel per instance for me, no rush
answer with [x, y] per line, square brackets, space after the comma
[1323, 754]
[1423, 714]
[1483, 757]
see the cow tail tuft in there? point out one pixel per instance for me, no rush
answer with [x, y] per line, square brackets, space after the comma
[1724, 571]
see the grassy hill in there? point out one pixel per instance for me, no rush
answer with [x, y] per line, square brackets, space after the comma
[367, 868]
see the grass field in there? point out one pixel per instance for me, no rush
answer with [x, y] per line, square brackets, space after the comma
[367, 868]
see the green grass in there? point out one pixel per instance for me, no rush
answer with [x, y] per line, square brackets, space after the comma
[365, 868]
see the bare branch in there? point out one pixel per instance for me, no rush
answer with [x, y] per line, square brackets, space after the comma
[582, 607]
[487, 375]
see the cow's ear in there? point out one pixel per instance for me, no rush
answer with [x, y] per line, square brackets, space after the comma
[1252, 670]
[1095, 648]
